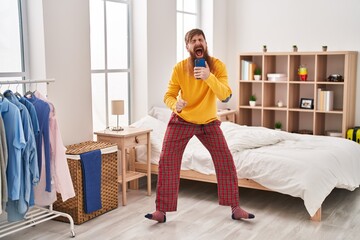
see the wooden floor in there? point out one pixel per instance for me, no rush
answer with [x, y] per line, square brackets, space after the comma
[200, 217]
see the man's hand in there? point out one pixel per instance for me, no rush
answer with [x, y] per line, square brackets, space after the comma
[180, 104]
[202, 72]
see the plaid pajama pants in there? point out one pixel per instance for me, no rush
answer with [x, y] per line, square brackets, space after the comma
[177, 135]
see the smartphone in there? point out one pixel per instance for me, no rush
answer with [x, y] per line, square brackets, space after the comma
[200, 62]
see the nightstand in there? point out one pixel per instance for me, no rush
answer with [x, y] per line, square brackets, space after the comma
[129, 138]
[227, 115]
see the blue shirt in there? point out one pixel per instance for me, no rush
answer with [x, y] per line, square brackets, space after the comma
[43, 113]
[15, 143]
[33, 115]
[29, 170]
[35, 124]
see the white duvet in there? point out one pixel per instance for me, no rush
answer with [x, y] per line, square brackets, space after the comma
[304, 166]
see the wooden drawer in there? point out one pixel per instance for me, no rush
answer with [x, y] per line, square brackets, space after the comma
[133, 141]
[227, 115]
[228, 118]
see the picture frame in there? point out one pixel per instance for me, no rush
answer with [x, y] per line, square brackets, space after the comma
[307, 103]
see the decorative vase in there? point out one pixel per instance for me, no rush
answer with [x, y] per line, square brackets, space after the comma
[302, 72]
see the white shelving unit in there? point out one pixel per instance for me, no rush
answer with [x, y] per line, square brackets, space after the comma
[290, 90]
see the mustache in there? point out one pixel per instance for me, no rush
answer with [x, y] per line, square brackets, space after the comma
[199, 47]
[193, 57]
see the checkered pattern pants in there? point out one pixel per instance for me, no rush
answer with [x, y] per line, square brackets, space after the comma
[177, 135]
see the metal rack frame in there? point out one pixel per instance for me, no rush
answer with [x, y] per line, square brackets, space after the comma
[36, 214]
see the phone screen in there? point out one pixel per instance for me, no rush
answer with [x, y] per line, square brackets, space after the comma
[200, 62]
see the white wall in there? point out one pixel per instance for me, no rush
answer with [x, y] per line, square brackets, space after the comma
[152, 69]
[60, 49]
[279, 24]
[139, 46]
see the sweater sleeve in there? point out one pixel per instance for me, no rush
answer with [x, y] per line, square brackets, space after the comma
[218, 81]
[172, 92]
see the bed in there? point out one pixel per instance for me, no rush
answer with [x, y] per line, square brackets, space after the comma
[300, 165]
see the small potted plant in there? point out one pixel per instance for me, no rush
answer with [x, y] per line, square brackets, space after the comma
[257, 74]
[264, 48]
[278, 125]
[252, 100]
[295, 48]
[324, 48]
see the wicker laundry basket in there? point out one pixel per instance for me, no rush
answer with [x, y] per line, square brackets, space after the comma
[109, 183]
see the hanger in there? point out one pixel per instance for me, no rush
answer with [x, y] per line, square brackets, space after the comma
[29, 93]
[17, 94]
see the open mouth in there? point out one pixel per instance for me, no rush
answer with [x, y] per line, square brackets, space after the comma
[199, 52]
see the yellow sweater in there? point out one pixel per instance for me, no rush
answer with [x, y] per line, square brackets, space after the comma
[200, 95]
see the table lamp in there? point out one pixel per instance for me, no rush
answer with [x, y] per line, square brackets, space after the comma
[117, 108]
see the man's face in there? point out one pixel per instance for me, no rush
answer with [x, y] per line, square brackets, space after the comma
[197, 47]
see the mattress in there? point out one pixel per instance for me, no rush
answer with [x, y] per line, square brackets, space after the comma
[305, 166]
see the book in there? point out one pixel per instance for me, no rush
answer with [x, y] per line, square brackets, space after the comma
[328, 100]
[325, 100]
[244, 69]
[252, 67]
[247, 70]
[319, 103]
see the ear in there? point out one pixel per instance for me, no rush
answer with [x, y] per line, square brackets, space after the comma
[187, 47]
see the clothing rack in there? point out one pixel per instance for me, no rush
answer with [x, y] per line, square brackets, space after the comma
[26, 81]
[36, 214]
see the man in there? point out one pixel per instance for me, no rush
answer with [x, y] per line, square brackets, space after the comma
[192, 94]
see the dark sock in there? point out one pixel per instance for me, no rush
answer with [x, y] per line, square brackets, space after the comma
[157, 216]
[239, 213]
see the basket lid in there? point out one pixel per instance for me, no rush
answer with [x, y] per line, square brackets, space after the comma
[87, 147]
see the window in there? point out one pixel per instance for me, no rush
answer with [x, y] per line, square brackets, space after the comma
[110, 68]
[13, 52]
[187, 18]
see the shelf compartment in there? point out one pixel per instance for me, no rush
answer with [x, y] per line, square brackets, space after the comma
[301, 121]
[250, 117]
[305, 60]
[247, 88]
[298, 91]
[275, 64]
[338, 90]
[325, 122]
[274, 92]
[272, 116]
[131, 175]
[256, 59]
[330, 64]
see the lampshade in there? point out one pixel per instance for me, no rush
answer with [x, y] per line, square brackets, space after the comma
[117, 107]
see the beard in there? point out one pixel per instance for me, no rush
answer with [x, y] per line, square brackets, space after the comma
[193, 56]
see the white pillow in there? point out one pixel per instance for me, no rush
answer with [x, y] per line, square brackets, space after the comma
[161, 113]
[156, 137]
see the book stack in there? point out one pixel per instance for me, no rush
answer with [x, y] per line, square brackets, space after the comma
[247, 70]
[325, 100]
